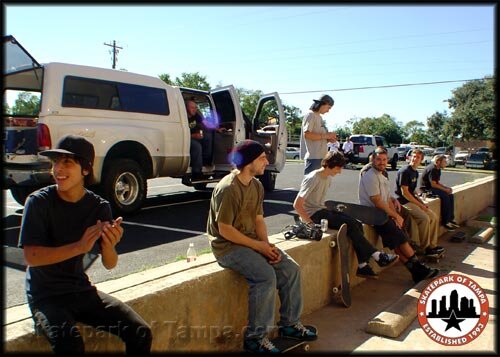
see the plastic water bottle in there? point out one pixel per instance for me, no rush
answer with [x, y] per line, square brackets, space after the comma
[191, 253]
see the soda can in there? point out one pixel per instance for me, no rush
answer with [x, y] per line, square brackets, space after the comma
[324, 225]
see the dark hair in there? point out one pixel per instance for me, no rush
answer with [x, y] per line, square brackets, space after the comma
[333, 159]
[417, 151]
[324, 99]
[379, 150]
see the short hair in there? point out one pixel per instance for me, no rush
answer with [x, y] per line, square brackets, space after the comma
[437, 158]
[379, 150]
[417, 151]
[333, 159]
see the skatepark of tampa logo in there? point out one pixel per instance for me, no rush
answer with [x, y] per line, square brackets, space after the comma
[453, 310]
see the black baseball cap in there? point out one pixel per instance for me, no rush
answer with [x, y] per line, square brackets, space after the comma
[73, 145]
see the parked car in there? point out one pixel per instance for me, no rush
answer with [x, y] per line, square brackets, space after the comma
[484, 149]
[402, 151]
[481, 160]
[461, 157]
[292, 153]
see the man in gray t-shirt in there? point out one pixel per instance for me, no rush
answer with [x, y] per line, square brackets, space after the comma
[374, 191]
[309, 204]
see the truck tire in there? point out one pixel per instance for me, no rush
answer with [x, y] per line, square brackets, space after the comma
[394, 162]
[124, 185]
[268, 180]
[21, 193]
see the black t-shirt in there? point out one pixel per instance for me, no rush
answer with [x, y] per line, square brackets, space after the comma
[431, 173]
[196, 123]
[50, 221]
[407, 176]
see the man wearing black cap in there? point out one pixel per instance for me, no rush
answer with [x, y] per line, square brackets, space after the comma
[314, 136]
[61, 223]
[238, 237]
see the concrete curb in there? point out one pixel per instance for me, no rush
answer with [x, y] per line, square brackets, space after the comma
[398, 316]
[482, 236]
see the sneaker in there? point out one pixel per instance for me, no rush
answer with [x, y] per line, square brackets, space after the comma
[366, 272]
[299, 332]
[450, 226]
[453, 223]
[386, 259]
[262, 345]
[434, 251]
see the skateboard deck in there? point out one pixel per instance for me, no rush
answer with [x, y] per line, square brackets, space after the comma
[457, 237]
[343, 292]
[365, 214]
[287, 344]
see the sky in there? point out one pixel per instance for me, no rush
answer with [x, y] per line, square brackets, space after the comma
[299, 51]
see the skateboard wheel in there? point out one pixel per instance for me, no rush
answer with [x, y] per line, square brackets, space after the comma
[335, 290]
[332, 244]
[306, 348]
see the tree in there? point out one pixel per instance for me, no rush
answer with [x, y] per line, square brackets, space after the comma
[436, 124]
[190, 80]
[385, 126]
[411, 129]
[26, 104]
[473, 106]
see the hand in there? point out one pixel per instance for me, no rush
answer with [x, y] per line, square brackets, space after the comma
[399, 221]
[269, 251]
[275, 261]
[331, 136]
[198, 135]
[111, 233]
[90, 236]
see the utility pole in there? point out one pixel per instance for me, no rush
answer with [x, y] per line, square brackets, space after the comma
[115, 51]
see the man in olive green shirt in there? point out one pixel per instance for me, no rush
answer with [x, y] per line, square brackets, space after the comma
[238, 236]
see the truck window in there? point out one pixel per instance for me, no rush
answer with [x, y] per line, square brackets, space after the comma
[379, 141]
[98, 94]
[267, 119]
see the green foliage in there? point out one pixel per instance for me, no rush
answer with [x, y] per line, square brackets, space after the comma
[26, 104]
[189, 80]
[384, 125]
[473, 106]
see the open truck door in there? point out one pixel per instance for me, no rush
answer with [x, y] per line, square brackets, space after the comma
[269, 128]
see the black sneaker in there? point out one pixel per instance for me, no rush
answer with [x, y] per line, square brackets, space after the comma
[385, 259]
[366, 272]
[263, 345]
[434, 251]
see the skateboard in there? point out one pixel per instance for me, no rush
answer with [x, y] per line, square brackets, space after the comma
[365, 214]
[287, 344]
[457, 237]
[343, 292]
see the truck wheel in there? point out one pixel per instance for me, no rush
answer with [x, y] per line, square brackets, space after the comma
[124, 185]
[394, 162]
[21, 193]
[268, 180]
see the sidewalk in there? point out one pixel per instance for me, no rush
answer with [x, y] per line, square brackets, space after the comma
[343, 329]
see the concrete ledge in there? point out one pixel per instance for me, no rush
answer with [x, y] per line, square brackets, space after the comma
[202, 307]
[482, 236]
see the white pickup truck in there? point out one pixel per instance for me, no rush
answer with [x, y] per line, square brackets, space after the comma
[138, 125]
[364, 145]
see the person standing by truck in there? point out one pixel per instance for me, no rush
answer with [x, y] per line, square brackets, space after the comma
[314, 136]
[60, 224]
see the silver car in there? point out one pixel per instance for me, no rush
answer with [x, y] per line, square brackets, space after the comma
[292, 153]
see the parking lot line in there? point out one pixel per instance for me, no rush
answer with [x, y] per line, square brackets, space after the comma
[164, 228]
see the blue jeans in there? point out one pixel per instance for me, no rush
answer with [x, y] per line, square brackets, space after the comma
[263, 280]
[311, 165]
[447, 205]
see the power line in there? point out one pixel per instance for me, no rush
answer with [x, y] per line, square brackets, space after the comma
[385, 86]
